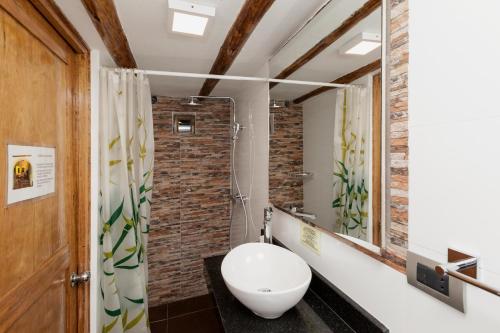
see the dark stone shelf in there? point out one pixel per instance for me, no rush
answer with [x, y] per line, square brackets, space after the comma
[324, 308]
[311, 314]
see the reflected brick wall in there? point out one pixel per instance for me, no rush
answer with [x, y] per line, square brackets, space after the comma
[286, 157]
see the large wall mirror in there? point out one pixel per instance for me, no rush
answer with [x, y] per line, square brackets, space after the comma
[325, 163]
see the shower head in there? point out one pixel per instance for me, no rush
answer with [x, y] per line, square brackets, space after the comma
[191, 101]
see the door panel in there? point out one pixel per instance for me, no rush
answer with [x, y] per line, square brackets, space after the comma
[38, 237]
[43, 315]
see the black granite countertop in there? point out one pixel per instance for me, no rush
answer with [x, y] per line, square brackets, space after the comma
[310, 315]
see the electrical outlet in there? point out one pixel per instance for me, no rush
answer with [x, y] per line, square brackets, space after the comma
[428, 276]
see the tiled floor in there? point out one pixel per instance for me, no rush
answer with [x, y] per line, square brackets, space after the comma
[194, 315]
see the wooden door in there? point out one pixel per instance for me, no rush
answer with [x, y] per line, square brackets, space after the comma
[42, 240]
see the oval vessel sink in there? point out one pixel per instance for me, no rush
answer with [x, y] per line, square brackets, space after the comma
[267, 279]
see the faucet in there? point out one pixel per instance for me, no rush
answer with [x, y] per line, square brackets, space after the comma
[268, 214]
[295, 212]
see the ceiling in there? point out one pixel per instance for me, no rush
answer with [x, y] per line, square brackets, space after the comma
[145, 24]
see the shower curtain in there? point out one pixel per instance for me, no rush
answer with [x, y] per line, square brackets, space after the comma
[351, 167]
[126, 178]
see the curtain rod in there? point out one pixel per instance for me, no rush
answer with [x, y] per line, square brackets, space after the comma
[234, 78]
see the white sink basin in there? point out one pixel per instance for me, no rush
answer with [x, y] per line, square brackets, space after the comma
[267, 279]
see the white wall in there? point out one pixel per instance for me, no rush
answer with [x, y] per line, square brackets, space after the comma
[252, 156]
[384, 292]
[318, 120]
[454, 174]
[454, 122]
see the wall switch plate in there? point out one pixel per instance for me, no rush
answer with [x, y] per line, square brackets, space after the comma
[420, 274]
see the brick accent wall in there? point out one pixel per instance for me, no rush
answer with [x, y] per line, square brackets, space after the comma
[286, 157]
[397, 227]
[191, 206]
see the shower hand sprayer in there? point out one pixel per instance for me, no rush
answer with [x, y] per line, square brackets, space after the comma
[196, 101]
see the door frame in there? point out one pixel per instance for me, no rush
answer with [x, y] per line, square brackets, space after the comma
[80, 96]
[376, 191]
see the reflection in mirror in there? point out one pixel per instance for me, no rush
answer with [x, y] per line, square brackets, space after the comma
[325, 143]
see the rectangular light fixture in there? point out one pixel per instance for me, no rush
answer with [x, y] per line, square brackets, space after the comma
[361, 44]
[189, 24]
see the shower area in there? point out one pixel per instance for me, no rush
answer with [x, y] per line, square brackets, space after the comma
[202, 192]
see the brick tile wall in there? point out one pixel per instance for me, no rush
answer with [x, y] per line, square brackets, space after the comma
[191, 207]
[397, 227]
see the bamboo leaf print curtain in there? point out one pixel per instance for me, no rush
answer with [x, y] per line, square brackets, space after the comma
[351, 165]
[126, 178]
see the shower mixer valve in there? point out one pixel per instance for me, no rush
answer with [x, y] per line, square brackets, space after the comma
[236, 129]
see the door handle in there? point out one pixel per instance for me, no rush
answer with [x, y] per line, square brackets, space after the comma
[76, 279]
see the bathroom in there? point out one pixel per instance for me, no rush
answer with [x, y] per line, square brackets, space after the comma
[249, 166]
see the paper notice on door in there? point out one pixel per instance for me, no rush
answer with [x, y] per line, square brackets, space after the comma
[31, 172]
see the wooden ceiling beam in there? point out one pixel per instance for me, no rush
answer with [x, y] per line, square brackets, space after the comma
[369, 7]
[346, 79]
[105, 18]
[250, 15]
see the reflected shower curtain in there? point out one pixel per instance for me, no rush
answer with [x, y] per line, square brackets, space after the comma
[126, 178]
[351, 165]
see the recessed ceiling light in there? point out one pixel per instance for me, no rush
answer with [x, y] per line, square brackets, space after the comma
[362, 44]
[189, 24]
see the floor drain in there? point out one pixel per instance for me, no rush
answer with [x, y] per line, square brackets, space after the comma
[264, 290]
